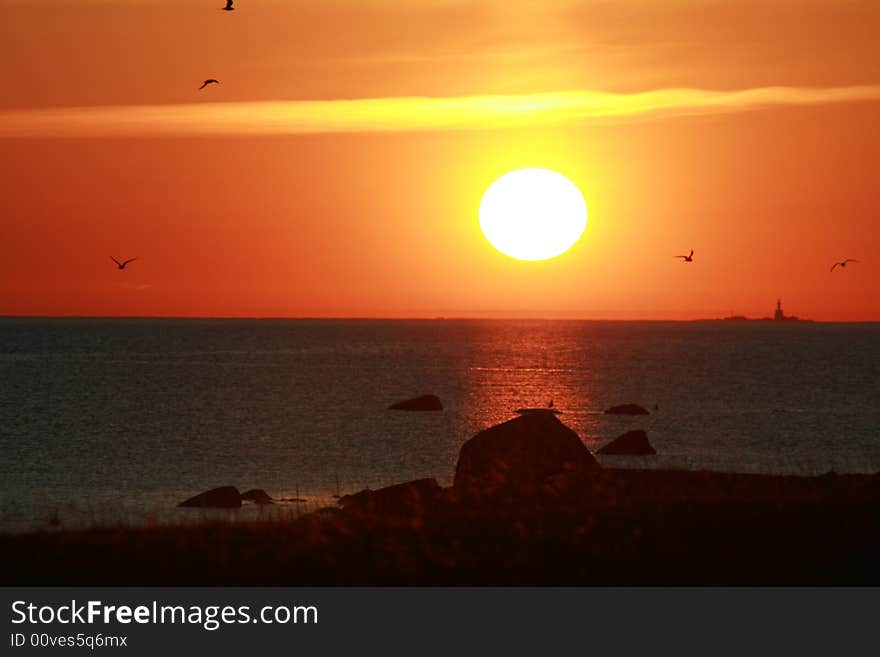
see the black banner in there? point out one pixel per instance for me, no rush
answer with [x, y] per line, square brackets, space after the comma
[391, 621]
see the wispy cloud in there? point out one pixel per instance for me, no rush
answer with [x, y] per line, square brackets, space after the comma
[408, 114]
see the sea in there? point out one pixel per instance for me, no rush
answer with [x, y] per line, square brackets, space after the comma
[115, 421]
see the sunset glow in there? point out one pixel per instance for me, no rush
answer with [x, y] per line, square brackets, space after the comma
[338, 168]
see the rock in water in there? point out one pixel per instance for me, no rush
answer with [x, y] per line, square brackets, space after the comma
[257, 495]
[423, 403]
[412, 497]
[632, 443]
[225, 497]
[520, 454]
[627, 409]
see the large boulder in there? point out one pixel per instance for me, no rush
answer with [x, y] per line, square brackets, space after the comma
[224, 497]
[423, 403]
[627, 409]
[519, 455]
[412, 497]
[257, 495]
[632, 443]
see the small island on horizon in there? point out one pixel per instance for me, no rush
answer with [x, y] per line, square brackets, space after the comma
[778, 316]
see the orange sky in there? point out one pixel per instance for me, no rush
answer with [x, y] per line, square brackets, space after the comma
[248, 199]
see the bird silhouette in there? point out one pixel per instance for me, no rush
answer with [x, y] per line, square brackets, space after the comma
[122, 264]
[228, 6]
[842, 263]
[687, 258]
[550, 405]
[207, 82]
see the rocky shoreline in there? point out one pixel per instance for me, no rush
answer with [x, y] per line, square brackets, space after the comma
[529, 505]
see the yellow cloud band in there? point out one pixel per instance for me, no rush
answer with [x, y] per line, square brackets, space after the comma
[407, 114]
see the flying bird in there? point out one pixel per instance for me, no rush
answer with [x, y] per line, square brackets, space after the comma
[687, 258]
[228, 6]
[207, 82]
[122, 264]
[842, 263]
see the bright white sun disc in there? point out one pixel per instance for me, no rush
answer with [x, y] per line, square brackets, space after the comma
[533, 214]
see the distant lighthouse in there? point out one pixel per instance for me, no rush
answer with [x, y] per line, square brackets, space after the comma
[778, 316]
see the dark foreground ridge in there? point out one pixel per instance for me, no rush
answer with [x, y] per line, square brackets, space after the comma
[554, 517]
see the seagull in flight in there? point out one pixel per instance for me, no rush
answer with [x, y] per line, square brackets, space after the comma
[122, 264]
[842, 263]
[207, 82]
[228, 6]
[687, 258]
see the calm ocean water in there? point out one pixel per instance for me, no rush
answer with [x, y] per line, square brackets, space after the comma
[116, 420]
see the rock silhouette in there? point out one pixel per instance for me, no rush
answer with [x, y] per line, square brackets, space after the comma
[410, 498]
[627, 409]
[519, 455]
[224, 497]
[423, 403]
[524, 411]
[257, 495]
[632, 443]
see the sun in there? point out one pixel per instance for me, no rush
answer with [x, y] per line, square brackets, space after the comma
[533, 214]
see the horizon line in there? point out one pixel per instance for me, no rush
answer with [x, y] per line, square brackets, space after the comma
[432, 318]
